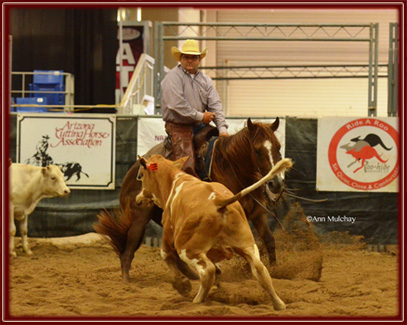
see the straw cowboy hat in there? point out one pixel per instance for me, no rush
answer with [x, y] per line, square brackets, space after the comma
[190, 47]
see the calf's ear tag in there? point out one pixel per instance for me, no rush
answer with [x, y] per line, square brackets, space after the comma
[152, 166]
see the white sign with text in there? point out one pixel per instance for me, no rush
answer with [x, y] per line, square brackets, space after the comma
[83, 145]
[358, 154]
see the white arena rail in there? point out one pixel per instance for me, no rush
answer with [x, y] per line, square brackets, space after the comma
[139, 96]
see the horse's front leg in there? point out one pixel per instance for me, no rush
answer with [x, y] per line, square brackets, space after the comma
[135, 235]
[260, 223]
[170, 256]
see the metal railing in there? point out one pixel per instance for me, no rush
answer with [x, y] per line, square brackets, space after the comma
[69, 107]
[368, 33]
[26, 77]
[140, 93]
[326, 71]
[393, 68]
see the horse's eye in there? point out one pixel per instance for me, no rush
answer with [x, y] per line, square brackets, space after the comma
[53, 178]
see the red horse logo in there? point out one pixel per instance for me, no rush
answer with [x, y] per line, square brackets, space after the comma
[364, 149]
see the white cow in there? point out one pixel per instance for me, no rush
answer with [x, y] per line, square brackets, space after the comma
[28, 185]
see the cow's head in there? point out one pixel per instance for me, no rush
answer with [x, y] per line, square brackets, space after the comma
[154, 174]
[53, 181]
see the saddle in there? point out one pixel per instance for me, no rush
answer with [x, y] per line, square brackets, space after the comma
[204, 142]
[201, 144]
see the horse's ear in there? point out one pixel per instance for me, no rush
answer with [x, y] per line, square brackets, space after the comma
[143, 161]
[275, 124]
[250, 125]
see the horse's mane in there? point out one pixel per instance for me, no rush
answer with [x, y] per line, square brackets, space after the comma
[237, 152]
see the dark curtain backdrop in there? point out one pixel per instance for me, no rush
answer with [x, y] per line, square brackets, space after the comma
[79, 41]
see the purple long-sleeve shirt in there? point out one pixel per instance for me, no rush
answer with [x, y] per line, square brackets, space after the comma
[185, 98]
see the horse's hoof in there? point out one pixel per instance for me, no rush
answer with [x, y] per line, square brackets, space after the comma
[197, 300]
[273, 264]
[13, 254]
[183, 286]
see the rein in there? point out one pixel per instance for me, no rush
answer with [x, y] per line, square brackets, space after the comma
[268, 196]
[257, 201]
[291, 194]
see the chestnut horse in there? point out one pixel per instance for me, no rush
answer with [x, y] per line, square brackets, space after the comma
[239, 161]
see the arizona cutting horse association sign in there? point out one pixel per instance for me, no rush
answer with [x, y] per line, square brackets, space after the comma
[82, 144]
[358, 154]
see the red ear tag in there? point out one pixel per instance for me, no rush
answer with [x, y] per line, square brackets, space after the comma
[152, 166]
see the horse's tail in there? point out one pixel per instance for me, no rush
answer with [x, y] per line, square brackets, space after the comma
[113, 226]
[281, 166]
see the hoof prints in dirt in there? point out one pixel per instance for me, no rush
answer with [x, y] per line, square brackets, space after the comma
[87, 282]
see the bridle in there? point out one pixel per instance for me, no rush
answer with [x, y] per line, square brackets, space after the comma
[267, 197]
[256, 200]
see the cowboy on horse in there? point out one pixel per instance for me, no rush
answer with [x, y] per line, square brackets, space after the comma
[41, 157]
[190, 102]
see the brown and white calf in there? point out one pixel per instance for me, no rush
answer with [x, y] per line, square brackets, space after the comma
[28, 185]
[202, 222]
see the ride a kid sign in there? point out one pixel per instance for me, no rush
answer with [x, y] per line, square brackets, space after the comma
[83, 145]
[358, 154]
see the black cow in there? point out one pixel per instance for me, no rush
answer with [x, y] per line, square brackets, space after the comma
[72, 168]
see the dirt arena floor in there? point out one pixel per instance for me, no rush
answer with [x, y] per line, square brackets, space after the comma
[80, 276]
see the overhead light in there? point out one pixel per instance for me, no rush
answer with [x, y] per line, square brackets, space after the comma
[138, 14]
[122, 14]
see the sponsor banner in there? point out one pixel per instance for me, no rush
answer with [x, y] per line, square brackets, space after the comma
[151, 131]
[358, 154]
[83, 146]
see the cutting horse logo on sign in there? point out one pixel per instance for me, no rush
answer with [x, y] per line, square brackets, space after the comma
[42, 159]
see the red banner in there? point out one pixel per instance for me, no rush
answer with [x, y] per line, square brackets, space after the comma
[133, 47]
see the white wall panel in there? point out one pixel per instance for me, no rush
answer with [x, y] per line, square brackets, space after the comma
[304, 51]
[309, 97]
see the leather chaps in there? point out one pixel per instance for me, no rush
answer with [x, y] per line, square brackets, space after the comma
[182, 142]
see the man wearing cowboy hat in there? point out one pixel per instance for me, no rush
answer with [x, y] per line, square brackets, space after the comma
[189, 101]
